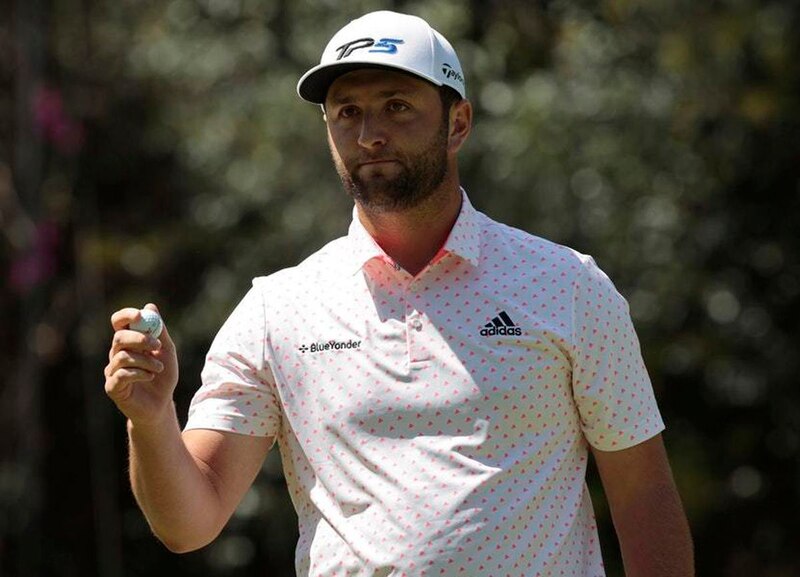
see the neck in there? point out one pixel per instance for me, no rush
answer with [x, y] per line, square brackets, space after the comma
[414, 236]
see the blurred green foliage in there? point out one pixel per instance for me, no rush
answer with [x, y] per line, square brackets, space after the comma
[157, 152]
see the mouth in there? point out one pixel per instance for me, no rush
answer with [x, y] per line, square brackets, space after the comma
[376, 162]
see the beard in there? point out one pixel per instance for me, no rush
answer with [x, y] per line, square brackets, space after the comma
[420, 175]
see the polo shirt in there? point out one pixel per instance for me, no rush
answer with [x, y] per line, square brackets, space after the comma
[437, 424]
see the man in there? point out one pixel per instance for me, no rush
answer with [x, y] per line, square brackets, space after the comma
[434, 379]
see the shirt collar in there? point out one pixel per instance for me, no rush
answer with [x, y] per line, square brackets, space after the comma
[464, 239]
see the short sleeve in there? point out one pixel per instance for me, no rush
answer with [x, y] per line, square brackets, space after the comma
[237, 393]
[611, 387]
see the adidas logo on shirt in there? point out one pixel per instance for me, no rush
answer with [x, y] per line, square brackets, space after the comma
[501, 325]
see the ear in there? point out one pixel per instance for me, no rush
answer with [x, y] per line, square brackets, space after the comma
[460, 125]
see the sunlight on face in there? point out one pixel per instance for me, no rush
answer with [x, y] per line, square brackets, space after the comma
[389, 154]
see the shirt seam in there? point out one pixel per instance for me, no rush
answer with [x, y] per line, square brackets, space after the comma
[263, 360]
[624, 435]
[573, 313]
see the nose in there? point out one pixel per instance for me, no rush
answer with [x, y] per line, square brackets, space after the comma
[372, 134]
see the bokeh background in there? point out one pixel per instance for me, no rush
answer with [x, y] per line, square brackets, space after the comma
[155, 151]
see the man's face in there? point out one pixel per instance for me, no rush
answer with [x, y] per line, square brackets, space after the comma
[388, 138]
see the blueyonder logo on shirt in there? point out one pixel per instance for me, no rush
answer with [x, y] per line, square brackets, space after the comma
[331, 345]
[501, 325]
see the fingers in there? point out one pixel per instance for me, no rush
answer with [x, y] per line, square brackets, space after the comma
[126, 369]
[131, 351]
[142, 370]
[134, 341]
[119, 384]
[134, 363]
[128, 366]
[136, 353]
[124, 317]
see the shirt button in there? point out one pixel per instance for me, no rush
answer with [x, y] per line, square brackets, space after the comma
[416, 324]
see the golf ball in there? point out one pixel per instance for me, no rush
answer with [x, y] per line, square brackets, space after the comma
[150, 323]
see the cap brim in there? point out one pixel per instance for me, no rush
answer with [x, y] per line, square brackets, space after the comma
[314, 84]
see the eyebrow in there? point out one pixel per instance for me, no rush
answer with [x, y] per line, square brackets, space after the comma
[339, 99]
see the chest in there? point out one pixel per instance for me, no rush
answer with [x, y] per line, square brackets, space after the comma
[383, 359]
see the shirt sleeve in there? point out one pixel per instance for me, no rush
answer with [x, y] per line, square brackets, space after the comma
[611, 387]
[238, 392]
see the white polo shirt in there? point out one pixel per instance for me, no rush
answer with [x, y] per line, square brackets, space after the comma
[438, 424]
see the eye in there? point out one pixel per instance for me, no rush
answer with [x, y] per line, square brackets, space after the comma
[397, 106]
[348, 112]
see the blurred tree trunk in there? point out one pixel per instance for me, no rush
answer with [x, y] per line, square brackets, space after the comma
[26, 380]
[92, 331]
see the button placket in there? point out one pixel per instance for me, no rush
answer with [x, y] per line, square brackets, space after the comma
[415, 320]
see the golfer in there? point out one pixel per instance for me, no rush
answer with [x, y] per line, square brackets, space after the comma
[435, 380]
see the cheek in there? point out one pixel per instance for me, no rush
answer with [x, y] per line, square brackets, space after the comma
[333, 148]
[336, 156]
[337, 142]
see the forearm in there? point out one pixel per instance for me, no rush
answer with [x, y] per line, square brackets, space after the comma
[654, 535]
[175, 493]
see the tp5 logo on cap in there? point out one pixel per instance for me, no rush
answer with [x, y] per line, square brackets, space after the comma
[384, 45]
[385, 39]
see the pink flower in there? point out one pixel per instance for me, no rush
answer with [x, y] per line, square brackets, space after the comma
[39, 263]
[54, 124]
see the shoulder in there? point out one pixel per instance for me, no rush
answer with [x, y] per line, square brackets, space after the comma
[532, 251]
[290, 293]
[325, 262]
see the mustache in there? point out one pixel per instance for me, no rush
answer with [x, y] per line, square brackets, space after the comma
[367, 159]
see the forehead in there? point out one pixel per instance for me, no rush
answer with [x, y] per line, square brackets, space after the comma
[378, 82]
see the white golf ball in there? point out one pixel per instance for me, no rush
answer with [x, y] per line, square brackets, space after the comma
[149, 324]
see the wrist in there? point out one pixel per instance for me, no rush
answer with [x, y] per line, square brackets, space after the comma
[155, 424]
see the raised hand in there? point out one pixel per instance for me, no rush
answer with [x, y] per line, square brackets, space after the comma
[142, 371]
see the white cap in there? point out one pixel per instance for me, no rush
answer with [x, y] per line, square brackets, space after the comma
[385, 40]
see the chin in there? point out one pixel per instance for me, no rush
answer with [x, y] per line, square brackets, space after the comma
[390, 199]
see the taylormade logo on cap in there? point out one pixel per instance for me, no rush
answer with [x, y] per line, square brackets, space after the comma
[385, 39]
